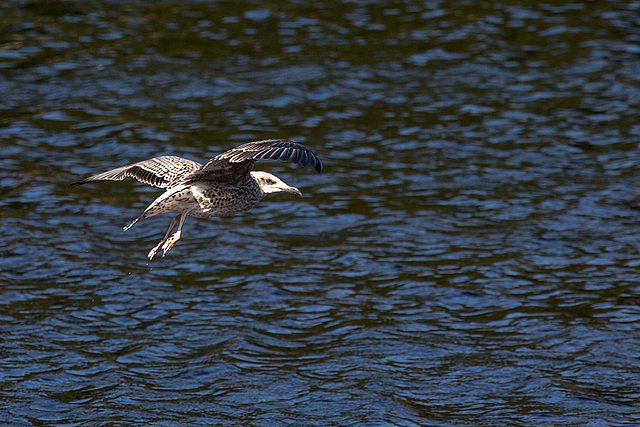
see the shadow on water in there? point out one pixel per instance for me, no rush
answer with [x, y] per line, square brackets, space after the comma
[469, 256]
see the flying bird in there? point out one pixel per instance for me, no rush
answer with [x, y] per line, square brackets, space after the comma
[223, 186]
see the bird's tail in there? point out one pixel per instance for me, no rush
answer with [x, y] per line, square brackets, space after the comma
[132, 223]
[156, 207]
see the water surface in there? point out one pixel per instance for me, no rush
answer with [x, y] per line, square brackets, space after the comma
[469, 257]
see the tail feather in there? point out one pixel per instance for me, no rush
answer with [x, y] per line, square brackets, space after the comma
[132, 223]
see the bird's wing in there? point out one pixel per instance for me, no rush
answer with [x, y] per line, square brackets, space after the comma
[272, 149]
[231, 165]
[160, 172]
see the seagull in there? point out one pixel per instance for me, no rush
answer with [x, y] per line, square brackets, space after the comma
[223, 186]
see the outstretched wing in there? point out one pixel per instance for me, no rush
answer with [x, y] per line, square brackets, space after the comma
[272, 149]
[160, 171]
[231, 165]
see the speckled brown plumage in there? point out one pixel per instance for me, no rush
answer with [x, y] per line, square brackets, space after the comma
[225, 185]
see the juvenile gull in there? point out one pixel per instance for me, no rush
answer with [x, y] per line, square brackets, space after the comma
[225, 185]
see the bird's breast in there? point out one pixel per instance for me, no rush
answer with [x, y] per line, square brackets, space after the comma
[223, 200]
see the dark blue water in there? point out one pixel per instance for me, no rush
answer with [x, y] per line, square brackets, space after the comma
[470, 256]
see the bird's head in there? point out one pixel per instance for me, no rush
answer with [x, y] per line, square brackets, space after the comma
[272, 184]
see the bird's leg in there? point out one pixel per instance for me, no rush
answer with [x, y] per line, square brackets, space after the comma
[153, 252]
[176, 236]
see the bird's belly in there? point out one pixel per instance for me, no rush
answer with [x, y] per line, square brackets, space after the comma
[179, 199]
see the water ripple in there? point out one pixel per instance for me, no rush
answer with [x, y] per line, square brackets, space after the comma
[469, 255]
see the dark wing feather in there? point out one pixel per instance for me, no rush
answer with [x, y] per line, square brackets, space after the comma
[234, 164]
[271, 149]
[160, 172]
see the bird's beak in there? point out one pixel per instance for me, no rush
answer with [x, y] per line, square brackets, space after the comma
[292, 190]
